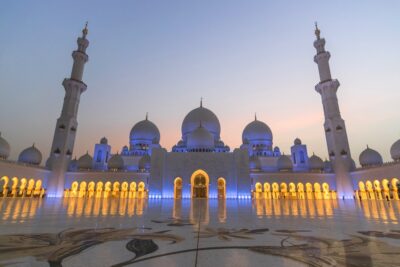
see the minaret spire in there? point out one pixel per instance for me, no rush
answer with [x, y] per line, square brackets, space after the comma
[66, 127]
[201, 102]
[317, 31]
[335, 129]
[147, 116]
[255, 116]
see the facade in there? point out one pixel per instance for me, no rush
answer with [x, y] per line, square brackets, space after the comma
[200, 165]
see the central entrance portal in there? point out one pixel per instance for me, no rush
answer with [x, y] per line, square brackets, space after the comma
[199, 183]
[199, 189]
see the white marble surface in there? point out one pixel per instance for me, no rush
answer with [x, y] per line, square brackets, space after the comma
[95, 232]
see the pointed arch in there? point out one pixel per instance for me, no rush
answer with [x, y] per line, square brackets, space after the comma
[178, 187]
[199, 182]
[221, 184]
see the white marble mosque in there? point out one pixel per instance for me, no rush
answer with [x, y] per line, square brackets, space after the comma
[200, 165]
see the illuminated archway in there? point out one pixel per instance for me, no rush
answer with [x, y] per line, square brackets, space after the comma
[199, 184]
[267, 187]
[395, 187]
[275, 190]
[385, 184]
[141, 190]
[22, 186]
[31, 185]
[107, 189]
[115, 190]
[361, 186]
[178, 187]
[300, 190]
[14, 183]
[325, 190]
[132, 190]
[99, 189]
[221, 188]
[317, 189]
[5, 182]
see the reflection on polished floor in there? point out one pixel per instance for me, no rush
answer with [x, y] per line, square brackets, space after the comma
[198, 232]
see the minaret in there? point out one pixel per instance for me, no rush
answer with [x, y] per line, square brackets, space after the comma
[335, 129]
[65, 132]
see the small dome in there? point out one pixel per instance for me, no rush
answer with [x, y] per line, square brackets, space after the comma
[30, 155]
[297, 141]
[104, 141]
[4, 148]
[395, 150]
[208, 119]
[370, 157]
[316, 163]
[256, 131]
[254, 163]
[145, 130]
[73, 165]
[200, 138]
[85, 162]
[116, 162]
[145, 162]
[284, 163]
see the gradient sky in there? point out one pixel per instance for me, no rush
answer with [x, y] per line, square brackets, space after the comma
[162, 56]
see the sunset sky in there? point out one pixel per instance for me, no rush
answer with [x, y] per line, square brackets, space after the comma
[162, 56]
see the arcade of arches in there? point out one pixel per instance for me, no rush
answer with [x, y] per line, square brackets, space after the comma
[293, 191]
[107, 189]
[23, 187]
[384, 189]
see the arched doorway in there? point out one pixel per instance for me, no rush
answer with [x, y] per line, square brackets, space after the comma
[178, 187]
[221, 188]
[199, 182]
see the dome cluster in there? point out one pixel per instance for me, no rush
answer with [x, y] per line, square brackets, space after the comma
[200, 132]
[200, 140]
[207, 118]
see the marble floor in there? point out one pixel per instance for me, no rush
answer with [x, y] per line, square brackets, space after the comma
[167, 232]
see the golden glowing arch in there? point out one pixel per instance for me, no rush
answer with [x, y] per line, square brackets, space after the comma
[178, 187]
[192, 181]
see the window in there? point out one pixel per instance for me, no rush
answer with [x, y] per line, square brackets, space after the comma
[98, 159]
[302, 160]
[294, 158]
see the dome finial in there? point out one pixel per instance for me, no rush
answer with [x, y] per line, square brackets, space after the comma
[85, 30]
[255, 116]
[317, 31]
[147, 116]
[33, 145]
[201, 102]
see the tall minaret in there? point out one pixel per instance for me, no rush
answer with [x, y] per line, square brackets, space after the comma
[64, 134]
[335, 129]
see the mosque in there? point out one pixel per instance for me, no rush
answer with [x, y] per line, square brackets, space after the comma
[200, 165]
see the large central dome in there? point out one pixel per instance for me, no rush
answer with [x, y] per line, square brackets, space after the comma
[207, 118]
